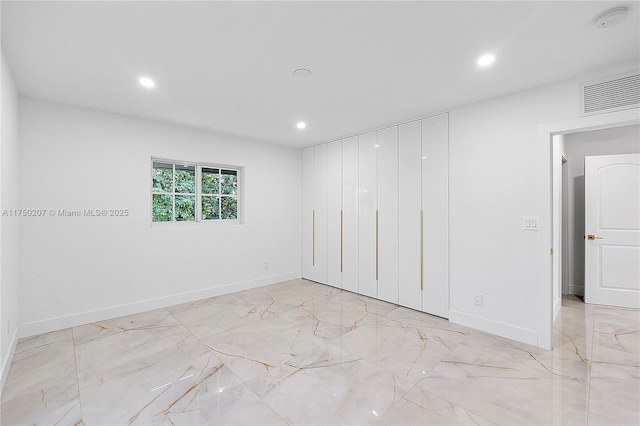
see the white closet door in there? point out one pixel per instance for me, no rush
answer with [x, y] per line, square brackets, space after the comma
[334, 212]
[409, 203]
[350, 214]
[388, 214]
[368, 204]
[307, 213]
[435, 204]
[320, 196]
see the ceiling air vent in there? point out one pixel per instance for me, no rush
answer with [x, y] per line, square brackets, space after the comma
[610, 94]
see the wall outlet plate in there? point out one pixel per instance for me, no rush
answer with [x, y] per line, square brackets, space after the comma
[530, 223]
[478, 299]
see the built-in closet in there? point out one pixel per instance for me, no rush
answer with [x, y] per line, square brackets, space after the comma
[375, 214]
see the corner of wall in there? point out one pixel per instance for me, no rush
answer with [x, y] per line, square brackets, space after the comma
[9, 238]
[6, 361]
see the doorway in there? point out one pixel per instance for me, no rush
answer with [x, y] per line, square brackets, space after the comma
[546, 133]
[574, 148]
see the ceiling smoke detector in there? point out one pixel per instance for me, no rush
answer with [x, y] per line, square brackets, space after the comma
[302, 73]
[611, 17]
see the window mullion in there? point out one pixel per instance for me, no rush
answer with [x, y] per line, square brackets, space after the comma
[220, 194]
[173, 193]
[198, 195]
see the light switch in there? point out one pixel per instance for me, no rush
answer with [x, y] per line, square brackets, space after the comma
[530, 223]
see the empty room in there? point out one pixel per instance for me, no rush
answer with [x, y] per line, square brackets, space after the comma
[320, 212]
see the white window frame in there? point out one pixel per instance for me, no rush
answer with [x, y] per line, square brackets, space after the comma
[198, 194]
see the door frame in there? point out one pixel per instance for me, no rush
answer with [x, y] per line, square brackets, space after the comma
[544, 276]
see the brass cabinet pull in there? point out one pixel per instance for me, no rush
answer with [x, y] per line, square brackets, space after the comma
[592, 237]
[313, 238]
[376, 245]
[421, 251]
[340, 240]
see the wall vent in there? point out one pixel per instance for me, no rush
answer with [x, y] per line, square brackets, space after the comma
[610, 94]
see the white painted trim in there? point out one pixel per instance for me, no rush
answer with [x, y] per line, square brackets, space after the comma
[544, 279]
[578, 290]
[6, 363]
[501, 329]
[556, 307]
[59, 323]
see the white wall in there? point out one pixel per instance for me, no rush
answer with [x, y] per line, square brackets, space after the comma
[8, 225]
[619, 140]
[493, 185]
[80, 269]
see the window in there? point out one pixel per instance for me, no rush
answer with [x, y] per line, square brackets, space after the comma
[188, 192]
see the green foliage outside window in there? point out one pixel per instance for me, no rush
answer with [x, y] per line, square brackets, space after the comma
[174, 193]
[162, 208]
[229, 207]
[210, 207]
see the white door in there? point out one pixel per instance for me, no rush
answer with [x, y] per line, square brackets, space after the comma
[410, 206]
[320, 195]
[367, 214]
[435, 207]
[350, 214]
[334, 214]
[388, 214]
[612, 230]
[307, 214]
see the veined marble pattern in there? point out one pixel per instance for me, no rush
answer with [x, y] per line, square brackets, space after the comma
[301, 353]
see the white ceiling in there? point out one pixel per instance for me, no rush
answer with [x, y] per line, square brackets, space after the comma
[228, 66]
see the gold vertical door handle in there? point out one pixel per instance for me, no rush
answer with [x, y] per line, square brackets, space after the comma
[376, 245]
[421, 250]
[341, 222]
[313, 237]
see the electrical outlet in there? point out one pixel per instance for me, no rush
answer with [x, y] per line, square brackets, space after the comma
[266, 265]
[477, 299]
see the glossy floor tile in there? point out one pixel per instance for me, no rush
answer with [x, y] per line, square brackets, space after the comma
[302, 353]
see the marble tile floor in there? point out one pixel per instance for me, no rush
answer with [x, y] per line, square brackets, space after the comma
[302, 353]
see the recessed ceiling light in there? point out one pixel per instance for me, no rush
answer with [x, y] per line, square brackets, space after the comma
[146, 82]
[485, 60]
[301, 125]
[611, 17]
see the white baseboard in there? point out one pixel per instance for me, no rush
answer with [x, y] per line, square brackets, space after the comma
[59, 323]
[509, 331]
[577, 290]
[6, 362]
